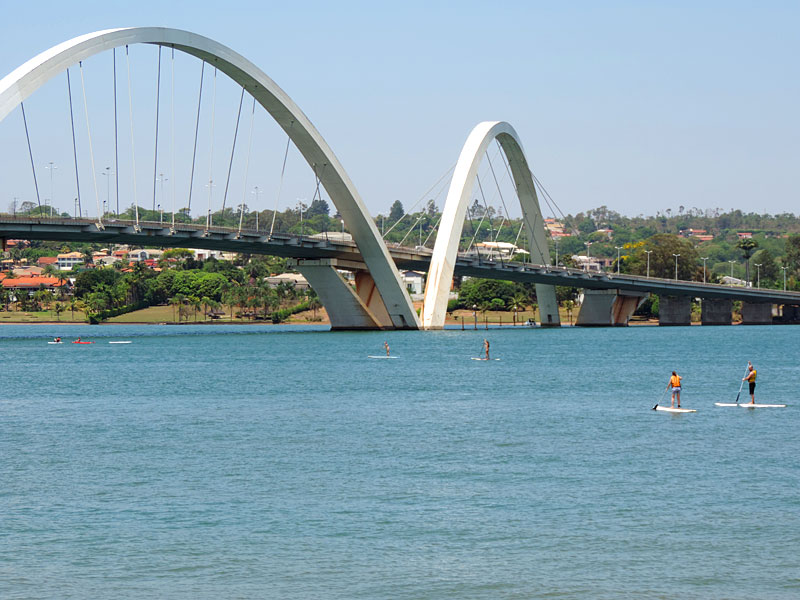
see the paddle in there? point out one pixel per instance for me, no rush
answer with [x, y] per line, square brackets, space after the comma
[741, 385]
[661, 397]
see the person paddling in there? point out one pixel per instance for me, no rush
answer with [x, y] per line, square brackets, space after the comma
[386, 345]
[675, 385]
[751, 379]
[486, 348]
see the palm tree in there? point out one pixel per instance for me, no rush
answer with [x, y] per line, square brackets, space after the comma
[518, 301]
[58, 308]
[747, 246]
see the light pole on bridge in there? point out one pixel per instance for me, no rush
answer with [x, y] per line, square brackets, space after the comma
[758, 274]
[784, 277]
[732, 263]
[618, 249]
[704, 259]
[256, 192]
[107, 173]
[588, 254]
[556, 242]
[676, 265]
[648, 252]
[51, 167]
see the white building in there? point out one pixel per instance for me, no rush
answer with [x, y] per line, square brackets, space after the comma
[414, 282]
[69, 260]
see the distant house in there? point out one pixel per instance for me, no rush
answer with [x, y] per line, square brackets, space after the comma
[414, 281]
[32, 284]
[744, 235]
[69, 260]
[142, 255]
[607, 231]
[295, 279]
[47, 260]
[556, 228]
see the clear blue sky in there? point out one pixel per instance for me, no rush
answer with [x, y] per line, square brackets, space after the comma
[640, 106]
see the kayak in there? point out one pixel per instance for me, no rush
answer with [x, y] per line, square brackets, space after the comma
[77, 342]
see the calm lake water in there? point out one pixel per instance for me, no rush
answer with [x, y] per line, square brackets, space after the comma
[256, 462]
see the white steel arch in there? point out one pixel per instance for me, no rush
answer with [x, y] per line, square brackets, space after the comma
[26, 79]
[445, 250]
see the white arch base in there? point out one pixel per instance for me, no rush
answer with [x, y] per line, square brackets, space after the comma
[389, 290]
[445, 250]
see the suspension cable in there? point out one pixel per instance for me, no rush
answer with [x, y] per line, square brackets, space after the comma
[233, 149]
[475, 233]
[428, 191]
[91, 148]
[74, 146]
[211, 150]
[172, 135]
[247, 165]
[196, 131]
[116, 136]
[133, 146]
[30, 152]
[433, 230]
[280, 182]
[158, 104]
[486, 207]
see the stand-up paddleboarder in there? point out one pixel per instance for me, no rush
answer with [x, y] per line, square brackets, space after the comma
[751, 379]
[675, 385]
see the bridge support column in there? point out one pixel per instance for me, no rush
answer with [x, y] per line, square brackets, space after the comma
[716, 311]
[604, 308]
[674, 310]
[756, 313]
[347, 308]
[790, 314]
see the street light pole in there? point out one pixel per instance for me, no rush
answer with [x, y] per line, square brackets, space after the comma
[648, 252]
[758, 274]
[784, 278]
[676, 265]
[556, 241]
[588, 254]
[704, 259]
[255, 191]
[618, 249]
[52, 167]
[732, 263]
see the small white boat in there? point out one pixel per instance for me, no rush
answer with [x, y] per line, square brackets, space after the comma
[119, 342]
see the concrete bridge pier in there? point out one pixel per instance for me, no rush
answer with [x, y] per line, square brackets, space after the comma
[348, 308]
[790, 314]
[604, 308]
[756, 313]
[716, 311]
[674, 310]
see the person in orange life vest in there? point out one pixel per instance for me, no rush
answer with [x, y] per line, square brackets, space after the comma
[751, 378]
[675, 384]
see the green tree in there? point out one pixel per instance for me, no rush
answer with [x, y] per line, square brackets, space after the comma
[792, 254]
[662, 260]
[396, 212]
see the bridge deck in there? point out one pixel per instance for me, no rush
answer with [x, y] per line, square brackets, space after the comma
[286, 245]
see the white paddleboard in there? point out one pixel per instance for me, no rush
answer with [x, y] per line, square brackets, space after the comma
[381, 357]
[473, 358]
[748, 405]
[673, 410]
[119, 342]
[55, 342]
